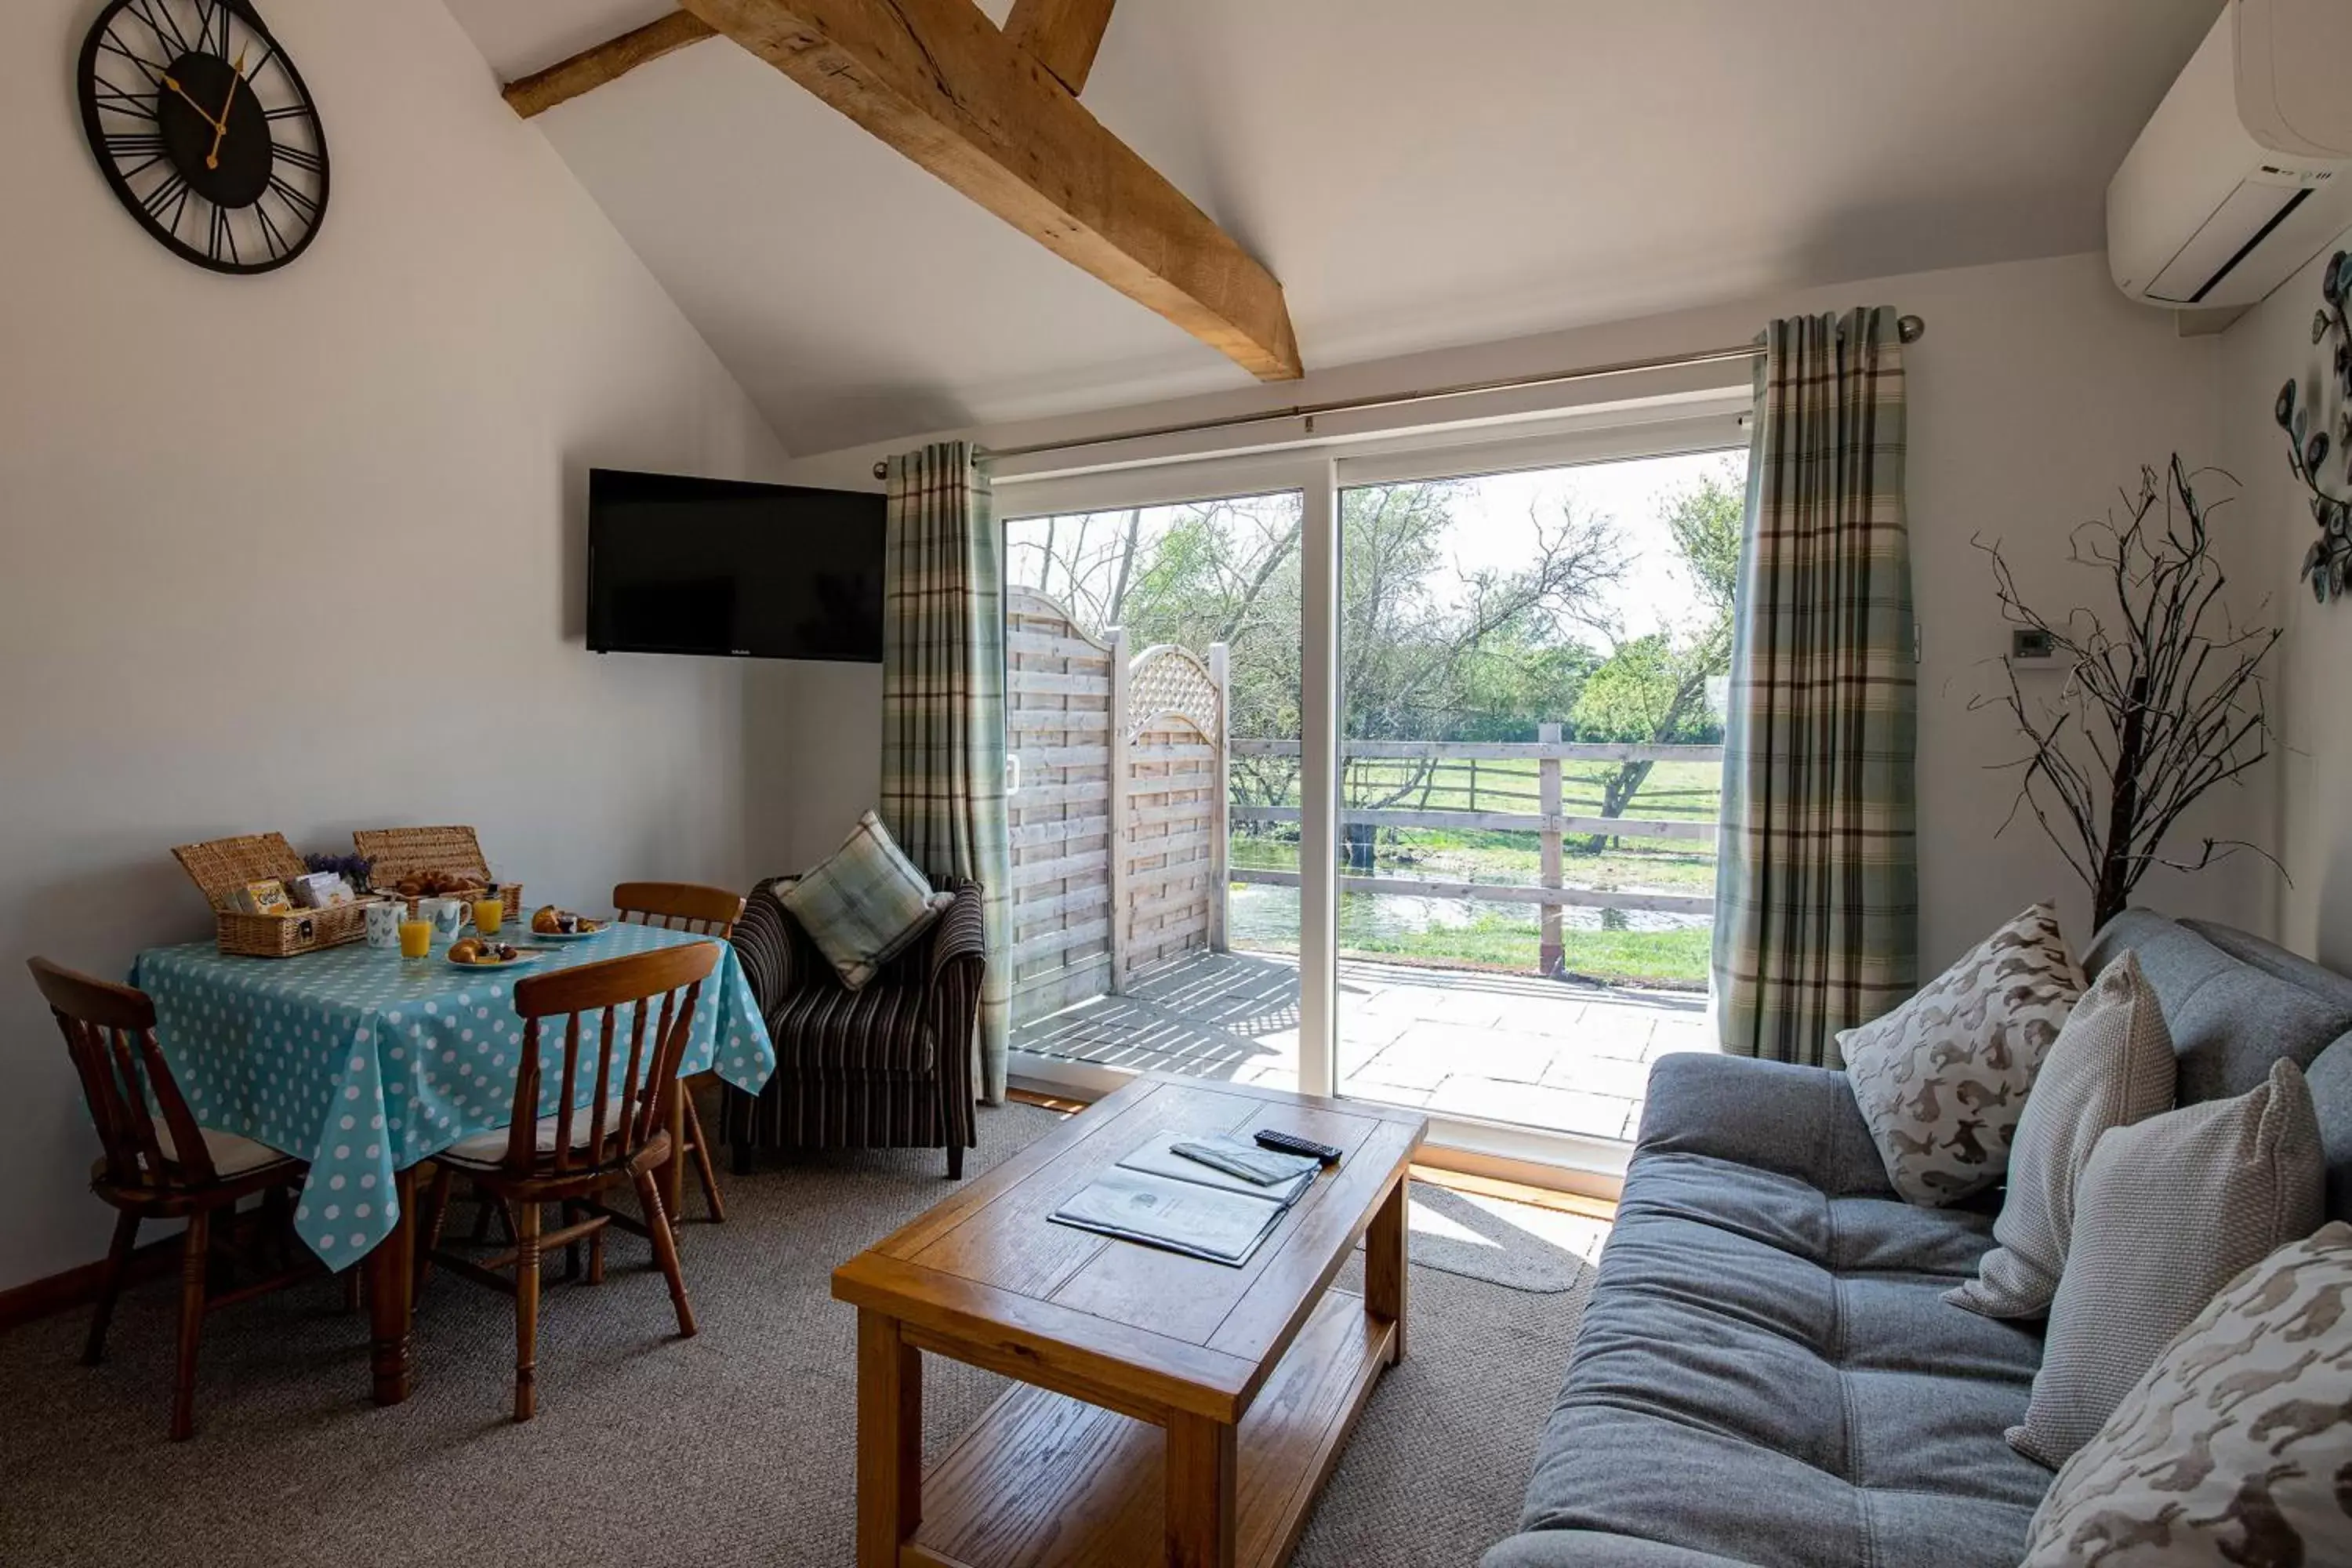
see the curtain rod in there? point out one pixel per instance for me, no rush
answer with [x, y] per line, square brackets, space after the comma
[1910, 328]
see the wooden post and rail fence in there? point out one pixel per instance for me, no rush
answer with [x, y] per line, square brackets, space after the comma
[1122, 820]
[1550, 824]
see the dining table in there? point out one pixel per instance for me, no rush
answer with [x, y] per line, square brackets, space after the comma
[366, 1064]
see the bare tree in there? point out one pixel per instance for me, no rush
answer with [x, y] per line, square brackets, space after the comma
[1229, 571]
[1654, 688]
[1126, 565]
[2156, 710]
[1088, 578]
[1406, 641]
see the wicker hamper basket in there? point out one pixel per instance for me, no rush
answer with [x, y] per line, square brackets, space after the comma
[397, 852]
[222, 867]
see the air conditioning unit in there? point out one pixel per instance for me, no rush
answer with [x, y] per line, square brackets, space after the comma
[2245, 172]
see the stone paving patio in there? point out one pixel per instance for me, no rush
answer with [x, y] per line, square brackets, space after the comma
[1501, 1048]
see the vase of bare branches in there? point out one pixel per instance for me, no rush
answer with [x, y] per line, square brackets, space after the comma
[2162, 698]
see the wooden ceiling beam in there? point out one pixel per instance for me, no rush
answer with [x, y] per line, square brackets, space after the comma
[590, 68]
[938, 82]
[1060, 34]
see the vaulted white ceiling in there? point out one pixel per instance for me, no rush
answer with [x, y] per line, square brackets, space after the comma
[1417, 173]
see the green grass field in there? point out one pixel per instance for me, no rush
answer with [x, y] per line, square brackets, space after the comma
[1670, 950]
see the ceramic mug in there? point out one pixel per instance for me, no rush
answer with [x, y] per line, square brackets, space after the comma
[447, 917]
[384, 922]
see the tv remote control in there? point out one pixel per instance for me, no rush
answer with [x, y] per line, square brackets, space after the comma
[1291, 1144]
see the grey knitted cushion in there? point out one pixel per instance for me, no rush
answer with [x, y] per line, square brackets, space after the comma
[2236, 1447]
[1941, 1078]
[2111, 1066]
[2166, 1213]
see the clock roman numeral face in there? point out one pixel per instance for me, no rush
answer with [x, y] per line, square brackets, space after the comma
[205, 129]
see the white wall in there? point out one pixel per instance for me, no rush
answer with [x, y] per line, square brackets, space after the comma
[303, 553]
[2314, 708]
[2037, 394]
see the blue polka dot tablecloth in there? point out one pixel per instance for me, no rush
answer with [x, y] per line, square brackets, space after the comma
[365, 1063]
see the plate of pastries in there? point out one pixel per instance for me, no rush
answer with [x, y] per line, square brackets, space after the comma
[485, 952]
[563, 925]
[434, 885]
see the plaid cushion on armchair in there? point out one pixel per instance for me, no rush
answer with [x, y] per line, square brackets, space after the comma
[864, 904]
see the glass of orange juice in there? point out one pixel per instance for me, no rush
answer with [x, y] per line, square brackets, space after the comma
[415, 938]
[488, 915]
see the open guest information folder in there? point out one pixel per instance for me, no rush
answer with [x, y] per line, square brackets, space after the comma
[1163, 1199]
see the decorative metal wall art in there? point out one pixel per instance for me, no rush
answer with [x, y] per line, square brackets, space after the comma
[2328, 564]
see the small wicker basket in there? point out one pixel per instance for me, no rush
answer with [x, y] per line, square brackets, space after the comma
[222, 867]
[398, 852]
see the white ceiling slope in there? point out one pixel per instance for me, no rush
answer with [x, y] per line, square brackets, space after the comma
[1418, 175]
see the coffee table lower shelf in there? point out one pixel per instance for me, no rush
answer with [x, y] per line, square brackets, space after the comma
[1043, 1480]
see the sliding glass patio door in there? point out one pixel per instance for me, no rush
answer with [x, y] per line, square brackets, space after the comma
[1153, 681]
[1531, 674]
[1389, 774]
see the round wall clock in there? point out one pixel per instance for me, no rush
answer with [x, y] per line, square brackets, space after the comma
[201, 125]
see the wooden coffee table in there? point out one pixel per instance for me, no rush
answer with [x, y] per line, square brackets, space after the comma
[1170, 1409]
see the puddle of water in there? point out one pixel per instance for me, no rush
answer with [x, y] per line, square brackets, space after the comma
[1269, 916]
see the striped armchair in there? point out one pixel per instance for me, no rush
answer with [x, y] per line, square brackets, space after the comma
[888, 1065]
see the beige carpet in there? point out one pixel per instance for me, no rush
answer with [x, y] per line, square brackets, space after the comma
[732, 1448]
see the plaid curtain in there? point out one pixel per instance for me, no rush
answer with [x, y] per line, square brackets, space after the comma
[943, 704]
[1816, 896]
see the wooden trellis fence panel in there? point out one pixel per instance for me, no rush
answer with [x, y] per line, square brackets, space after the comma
[1057, 698]
[1169, 881]
[1118, 812]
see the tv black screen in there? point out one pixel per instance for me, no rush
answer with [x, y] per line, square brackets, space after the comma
[715, 566]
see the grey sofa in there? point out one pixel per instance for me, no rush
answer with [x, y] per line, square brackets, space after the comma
[1767, 1373]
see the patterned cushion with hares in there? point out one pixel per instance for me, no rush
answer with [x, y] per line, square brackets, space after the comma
[2236, 1447]
[2166, 1213]
[2112, 1066]
[864, 904]
[1942, 1080]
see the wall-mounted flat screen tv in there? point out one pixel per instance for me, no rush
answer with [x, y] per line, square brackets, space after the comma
[715, 566]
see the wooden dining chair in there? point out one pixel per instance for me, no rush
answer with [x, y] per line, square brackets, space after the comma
[583, 1151]
[159, 1163]
[705, 911]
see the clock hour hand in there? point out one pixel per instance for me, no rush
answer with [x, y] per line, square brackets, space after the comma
[171, 83]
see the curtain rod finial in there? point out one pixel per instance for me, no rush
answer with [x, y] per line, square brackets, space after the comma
[1911, 329]
[882, 471]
